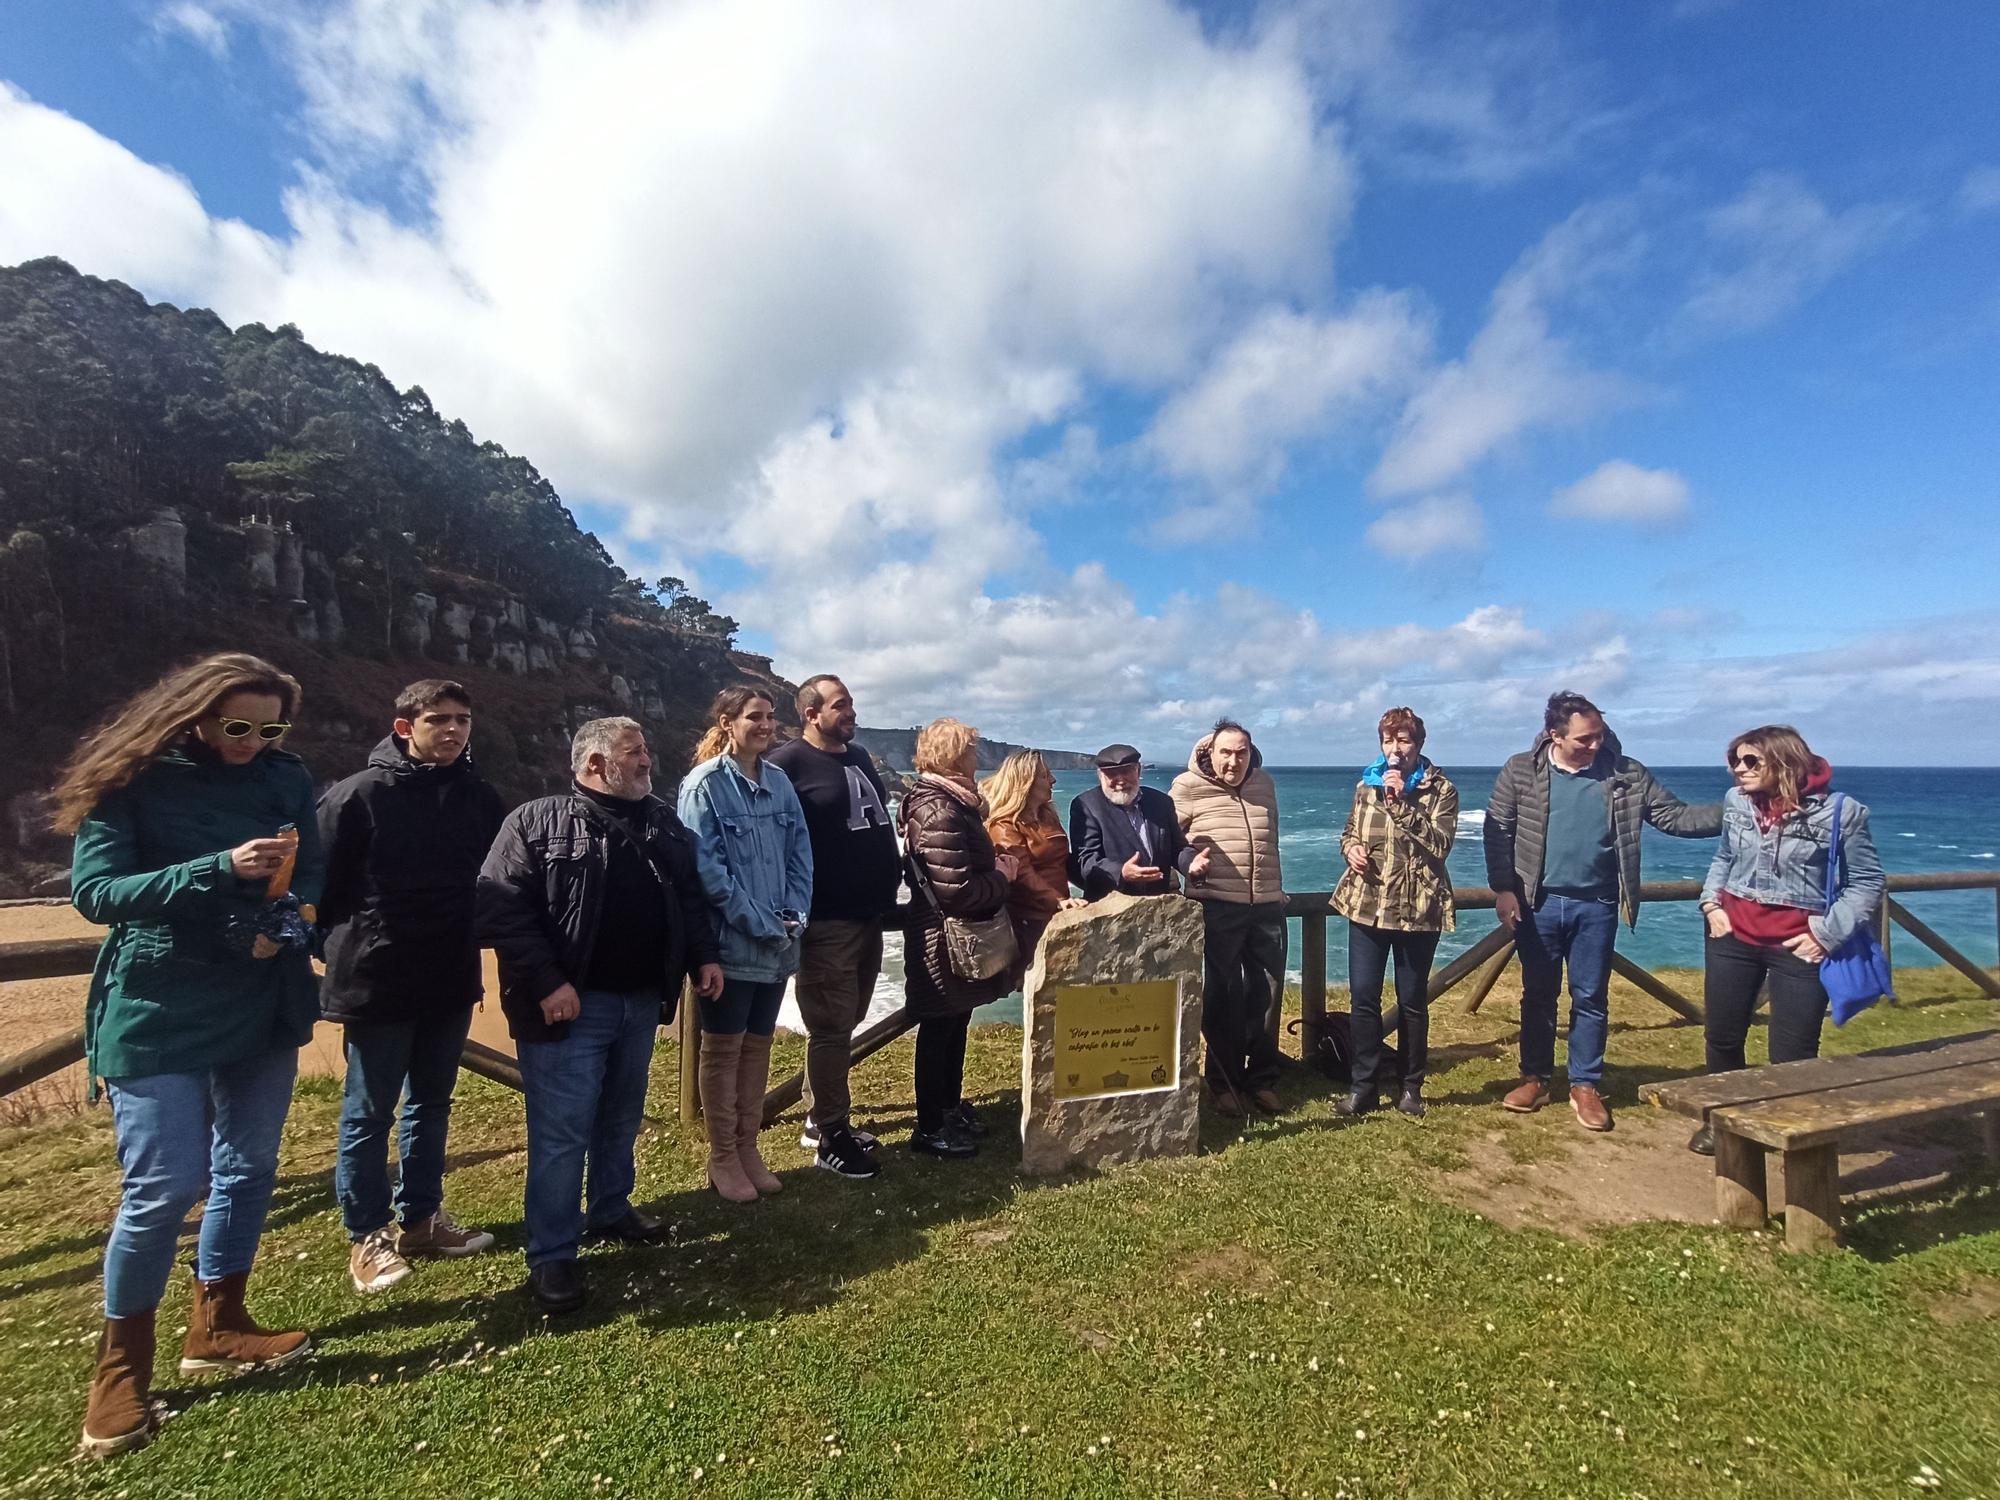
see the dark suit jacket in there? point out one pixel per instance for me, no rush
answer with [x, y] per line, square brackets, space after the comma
[1101, 840]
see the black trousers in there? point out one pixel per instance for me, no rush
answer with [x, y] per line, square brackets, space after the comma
[1368, 952]
[940, 1067]
[1243, 977]
[1735, 971]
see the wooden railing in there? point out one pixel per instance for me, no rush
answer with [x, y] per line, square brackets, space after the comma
[1486, 960]
[1482, 964]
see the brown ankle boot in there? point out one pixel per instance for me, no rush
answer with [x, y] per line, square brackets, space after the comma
[223, 1336]
[721, 1057]
[751, 1079]
[120, 1416]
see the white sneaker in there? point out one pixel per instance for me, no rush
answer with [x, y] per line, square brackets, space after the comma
[373, 1264]
[441, 1234]
[809, 1137]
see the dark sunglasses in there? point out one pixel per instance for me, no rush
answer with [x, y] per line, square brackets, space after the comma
[1746, 761]
[237, 728]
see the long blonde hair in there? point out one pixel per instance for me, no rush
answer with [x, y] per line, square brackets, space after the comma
[728, 703]
[1007, 790]
[136, 734]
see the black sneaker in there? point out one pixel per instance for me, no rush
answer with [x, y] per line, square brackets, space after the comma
[966, 1118]
[1412, 1103]
[1360, 1102]
[947, 1141]
[809, 1137]
[841, 1152]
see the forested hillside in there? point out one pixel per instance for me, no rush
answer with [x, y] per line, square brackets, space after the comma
[170, 486]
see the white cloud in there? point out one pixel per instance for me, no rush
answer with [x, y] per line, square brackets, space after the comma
[1517, 374]
[1287, 376]
[71, 192]
[1980, 192]
[1622, 491]
[196, 23]
[1437, 523]
[1777, 244]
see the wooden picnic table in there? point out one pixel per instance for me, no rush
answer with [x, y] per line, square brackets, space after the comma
[1803, 1109]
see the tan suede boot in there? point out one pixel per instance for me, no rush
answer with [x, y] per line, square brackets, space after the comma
[751, 1079]
[120, 1415]
[223, 1336]
[721, 1057]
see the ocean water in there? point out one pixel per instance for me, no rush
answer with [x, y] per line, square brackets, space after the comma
[1924, 821]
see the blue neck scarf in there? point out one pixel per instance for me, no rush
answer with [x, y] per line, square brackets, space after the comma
[1373, 775]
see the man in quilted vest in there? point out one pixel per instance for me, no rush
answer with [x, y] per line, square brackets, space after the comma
[1227, 807]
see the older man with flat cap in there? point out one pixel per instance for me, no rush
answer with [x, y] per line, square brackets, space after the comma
[1124, 836]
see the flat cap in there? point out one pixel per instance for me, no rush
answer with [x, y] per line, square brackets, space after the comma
[1112, 756]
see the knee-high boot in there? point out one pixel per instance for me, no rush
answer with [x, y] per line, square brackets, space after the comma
[721, 1061]
[751, 1079]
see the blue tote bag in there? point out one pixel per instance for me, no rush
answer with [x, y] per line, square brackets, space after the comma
[1856, 974]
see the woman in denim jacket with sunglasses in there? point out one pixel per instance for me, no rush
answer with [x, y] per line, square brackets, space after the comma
[756, 865]
[1765, 899]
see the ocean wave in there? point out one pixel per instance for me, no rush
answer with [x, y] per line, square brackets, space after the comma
[1987, 855]
[1472, 818]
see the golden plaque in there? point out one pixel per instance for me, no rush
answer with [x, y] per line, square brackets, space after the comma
[1117, 1038]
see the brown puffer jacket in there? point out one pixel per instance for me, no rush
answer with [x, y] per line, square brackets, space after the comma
[952, 860]
[1238, 825]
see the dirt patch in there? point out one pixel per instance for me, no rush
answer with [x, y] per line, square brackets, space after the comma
[1975, 1299]
[1578, 1183]
[1226, 1265]
[986, 1239]
[1541, 1171]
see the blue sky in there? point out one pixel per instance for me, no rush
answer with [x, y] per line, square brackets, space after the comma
[1090, 371]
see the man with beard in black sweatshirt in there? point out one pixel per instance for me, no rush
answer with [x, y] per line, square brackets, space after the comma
[404, 839]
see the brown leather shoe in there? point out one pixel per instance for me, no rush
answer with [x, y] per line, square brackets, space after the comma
[1527, 1096]
[1591, 1112]
[120, 1415]
[1226, 1102]
[223, 1336]
[1268, 1101]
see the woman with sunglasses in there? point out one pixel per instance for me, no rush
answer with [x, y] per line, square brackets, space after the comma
[1766, 898]
[197, 845]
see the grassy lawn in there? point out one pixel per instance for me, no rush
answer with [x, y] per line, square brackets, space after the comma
[1295, 1312]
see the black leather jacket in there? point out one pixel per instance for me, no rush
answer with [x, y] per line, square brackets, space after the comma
[541, 892]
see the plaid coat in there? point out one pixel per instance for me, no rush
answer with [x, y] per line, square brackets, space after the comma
[1406, 887]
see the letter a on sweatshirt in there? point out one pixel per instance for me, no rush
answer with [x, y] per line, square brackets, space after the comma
[863, 806]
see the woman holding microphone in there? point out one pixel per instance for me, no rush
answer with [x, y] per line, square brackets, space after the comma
[1396, 896]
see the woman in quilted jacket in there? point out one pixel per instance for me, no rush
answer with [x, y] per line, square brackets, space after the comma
[955, 872]
[1396, 896]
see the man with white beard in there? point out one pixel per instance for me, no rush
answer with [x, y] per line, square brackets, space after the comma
[1124, 836]
[593, 905]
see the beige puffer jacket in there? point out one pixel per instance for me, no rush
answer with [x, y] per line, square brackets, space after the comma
[1238, 825]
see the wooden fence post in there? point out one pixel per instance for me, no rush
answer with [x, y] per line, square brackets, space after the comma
[687, 1032]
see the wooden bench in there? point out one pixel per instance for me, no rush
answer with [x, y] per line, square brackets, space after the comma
[1803, 1109]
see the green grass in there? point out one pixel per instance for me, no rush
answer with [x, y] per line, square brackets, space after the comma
[1293, 1312]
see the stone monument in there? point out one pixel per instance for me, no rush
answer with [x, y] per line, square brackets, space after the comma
[1112, 1037]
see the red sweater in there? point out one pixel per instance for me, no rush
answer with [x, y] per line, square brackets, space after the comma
[1752, 921]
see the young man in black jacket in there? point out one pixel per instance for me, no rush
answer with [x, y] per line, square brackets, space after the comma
[404, 839]
[594, 907]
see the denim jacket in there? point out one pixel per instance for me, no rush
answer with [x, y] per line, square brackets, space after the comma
[755, 860]
[1787, 865]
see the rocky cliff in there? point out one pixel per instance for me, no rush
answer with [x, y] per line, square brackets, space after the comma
[169, 487]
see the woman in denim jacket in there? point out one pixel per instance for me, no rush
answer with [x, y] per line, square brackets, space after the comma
[1765, 898]
[756, 866]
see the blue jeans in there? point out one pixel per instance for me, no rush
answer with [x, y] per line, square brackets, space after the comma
[744, 1005]
[182, 1136]
[1577, 933]
[416, 1062]
[586, 1098]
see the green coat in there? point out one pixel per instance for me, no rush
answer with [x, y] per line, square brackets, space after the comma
[173, 992]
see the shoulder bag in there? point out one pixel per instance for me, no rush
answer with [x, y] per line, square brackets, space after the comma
[976, 947]
[1856, 974]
